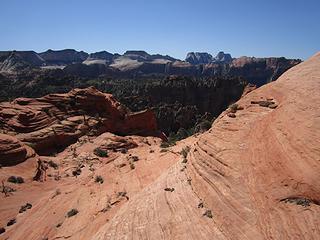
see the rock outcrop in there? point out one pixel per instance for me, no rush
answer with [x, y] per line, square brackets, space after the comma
[206, 58]
[12, 151]
[57, 120]
[199, 58]
[222, 58]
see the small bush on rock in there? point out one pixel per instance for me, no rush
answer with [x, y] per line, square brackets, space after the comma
[11, 222]
[132, 166]
[25, 207]
[169, 189]
[203, 126]
[14, 179]
[53, 164]
[99, 179]
[100, 153]
[135, 158]
[184, 152]
[233, 108]
[72, 212]
[208, 214]
[164, 145]
[76, 172]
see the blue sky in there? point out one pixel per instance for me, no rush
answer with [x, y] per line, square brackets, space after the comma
[261, 28]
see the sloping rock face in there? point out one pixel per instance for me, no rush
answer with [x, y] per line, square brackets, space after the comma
[12, 151]
[133, 162]
[254, 175]
[11, 61]
[223, 58]
[258, 172]
[63, 57]
[56, 120]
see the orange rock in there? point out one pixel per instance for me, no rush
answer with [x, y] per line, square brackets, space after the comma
[258, 175]
[12, 151]
[56, 120]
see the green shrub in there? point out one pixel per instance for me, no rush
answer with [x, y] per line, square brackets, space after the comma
[53, 164]
[169, 189]
[99, 179]
[76, 172]
[72, 212]
[25, 207]
[203, 126]
[184, 152]
[164, 145]
[122, 194]
[14, 179]
[100, 153]
[181, 134]
[233, 107]
[208, 214]
[11, 222]
[132, 166]
[135, 158]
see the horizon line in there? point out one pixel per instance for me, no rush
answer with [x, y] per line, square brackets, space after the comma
[153, 53]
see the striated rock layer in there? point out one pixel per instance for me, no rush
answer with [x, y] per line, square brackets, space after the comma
[12, 151]
[130, 165]
[253, 176]
[57, 120]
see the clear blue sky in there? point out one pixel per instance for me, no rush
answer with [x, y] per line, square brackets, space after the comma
[289, 28]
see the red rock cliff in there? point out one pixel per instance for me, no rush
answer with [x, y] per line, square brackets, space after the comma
[56, 120]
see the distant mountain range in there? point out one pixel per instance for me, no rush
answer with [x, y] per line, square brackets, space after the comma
[71, 56]
[182, 93]
[134, 63]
